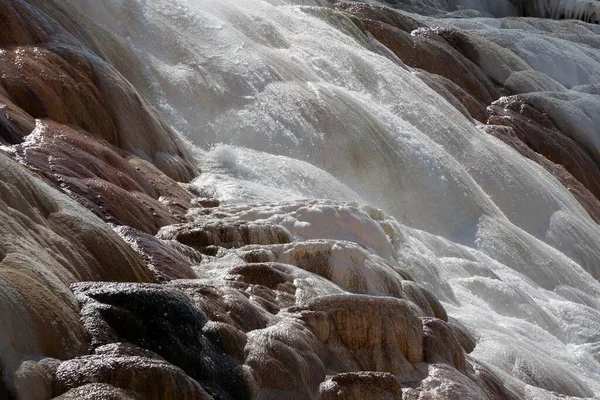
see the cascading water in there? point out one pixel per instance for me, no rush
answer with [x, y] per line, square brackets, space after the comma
[586, 10]
[500, 241]
[308, 107]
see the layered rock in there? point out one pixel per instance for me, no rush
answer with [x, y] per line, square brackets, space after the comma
[264, 320]
[48, 73]
[49, 242]
[473, 69]
[70, 116]
[446, 69]
[534, 135]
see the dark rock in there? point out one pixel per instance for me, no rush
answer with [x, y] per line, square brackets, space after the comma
[8, 134]
[205, 202]
[225, 304]
[259, 274]
[228, 337]
[489, 381]
[163, 320]
[6, 392]
[361, 385]
[99, 391]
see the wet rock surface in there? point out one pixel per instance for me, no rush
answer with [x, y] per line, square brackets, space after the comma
[72, 118]
[361, 385]
[265, 324]
[531, 132]
[164, 321]
[167, 260]
[120, 188]
[145, 377]
[93, 391]
[472, 72]
[49, 242]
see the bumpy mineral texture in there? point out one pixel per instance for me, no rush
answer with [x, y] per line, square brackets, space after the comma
[71, 117]
[49, 242]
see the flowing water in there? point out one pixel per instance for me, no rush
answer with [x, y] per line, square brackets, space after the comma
[286, 100]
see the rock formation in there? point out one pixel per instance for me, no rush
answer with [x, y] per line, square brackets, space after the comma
[118, 282]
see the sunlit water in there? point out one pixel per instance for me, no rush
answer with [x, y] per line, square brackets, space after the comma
[304, 108]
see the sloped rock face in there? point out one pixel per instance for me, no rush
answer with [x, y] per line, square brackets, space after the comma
[361, 385]
[167, 260]
[164, 321]
[118, 187]
[49, 73]
[71, 117]
[438, 53]
[535, 135]
[99, 390]
[142, 376]
[373, 333]
[226, 234]
[48, 243]
[286, 313]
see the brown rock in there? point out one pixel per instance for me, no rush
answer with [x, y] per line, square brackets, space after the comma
[507, 131]
[541, 135]
[489, 382]
[49, 241]
[425, 49]
[227, 234]
[228, 337]
[225, 304]
[286, 360]
[361, 385]
[100, 391]
[440, 344]
[381, 14]
[457, 96]
[50, 74]
[94, 173]
[260, 274]
[151, 378]
[462, 334]
[35, 380]
[166, 260]
[377, 333]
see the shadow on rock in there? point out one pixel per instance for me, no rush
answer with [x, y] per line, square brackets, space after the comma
[164, 321]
